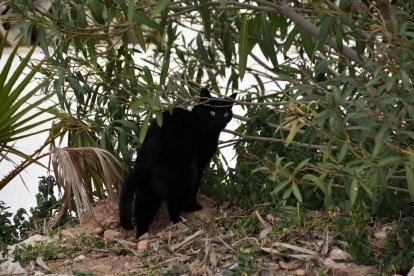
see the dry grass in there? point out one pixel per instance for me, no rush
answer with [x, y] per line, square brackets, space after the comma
[88, 174]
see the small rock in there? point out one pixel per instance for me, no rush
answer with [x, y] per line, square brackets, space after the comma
[142, 245]
[41, 263]
[233, 267]
[112, 234]
[300, 272]
[79, 258]
[29, 241]
[411, 272]
[38, 273]
[380, 235]
[12, 268]
[127, 265]
[339, 254]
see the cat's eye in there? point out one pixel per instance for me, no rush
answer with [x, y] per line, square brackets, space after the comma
[226, 114]
[212, 113]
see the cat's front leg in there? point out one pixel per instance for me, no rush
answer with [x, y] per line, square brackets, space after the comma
[191, 204]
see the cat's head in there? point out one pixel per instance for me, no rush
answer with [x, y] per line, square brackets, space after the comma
[214, 112]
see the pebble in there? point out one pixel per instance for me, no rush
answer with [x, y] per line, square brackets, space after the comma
[112, 234]
[300, 272]
[142, 245]
[79, 258]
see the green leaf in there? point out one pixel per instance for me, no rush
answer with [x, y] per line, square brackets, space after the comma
[97, 10]
[410, 180]
[131, 9]
[324, 31]
[369, 192]
[343, 152]
[283, 26]
[243, 46]
[140, 37]
[317, 181]
[165, 67]
[268, 40]
[289, 40]
[148, 75]
[353, 192]
[145, 20]
[296, 192]
[158, 117]
[308, 44]
[280, 186]
[205, 16]
[161, 5]
[379, 144]
[3, 43]
[137, 16]
[388, 161]
[201, 49]
[339, 35]
[144, 127]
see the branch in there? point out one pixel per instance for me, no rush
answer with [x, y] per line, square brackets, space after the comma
[269, 139]
[284, 8]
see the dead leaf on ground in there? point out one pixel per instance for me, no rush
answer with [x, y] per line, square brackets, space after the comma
[295, 264]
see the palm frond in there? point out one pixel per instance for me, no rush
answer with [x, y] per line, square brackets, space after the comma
[74, 177]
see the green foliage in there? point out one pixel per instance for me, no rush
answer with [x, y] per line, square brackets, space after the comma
[47, 204]
[399, 251]
[326, 90]
[357, 239]
[247, 262]
[12, 232]
[85, 242]
[79, 273]
[49, 251]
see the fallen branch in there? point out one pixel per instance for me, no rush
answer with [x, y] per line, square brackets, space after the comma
[295, 248]
[188, 240]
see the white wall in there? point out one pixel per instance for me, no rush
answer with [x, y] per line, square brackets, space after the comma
[16, 194]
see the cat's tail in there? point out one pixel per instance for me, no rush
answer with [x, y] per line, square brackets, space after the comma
[135, 178]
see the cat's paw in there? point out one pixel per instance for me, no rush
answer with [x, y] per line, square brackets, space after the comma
[141, 231]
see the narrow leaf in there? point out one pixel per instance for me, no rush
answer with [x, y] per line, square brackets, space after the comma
[205, 16]
[353, 193]
[296, 192]
[243, 46]
[161, 5]
[289, 40]
[410, 180]
[144, 127]
[324, 31]
[268, 40]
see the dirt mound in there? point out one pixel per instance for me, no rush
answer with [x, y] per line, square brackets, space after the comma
[219, 240]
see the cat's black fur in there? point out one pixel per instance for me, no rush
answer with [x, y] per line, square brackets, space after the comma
[171, 162]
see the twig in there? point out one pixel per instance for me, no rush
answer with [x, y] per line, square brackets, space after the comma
[123, 242]
[295, 248]
[188, 239]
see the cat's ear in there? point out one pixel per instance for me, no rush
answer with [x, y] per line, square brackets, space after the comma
[233, 96]
[204, 93]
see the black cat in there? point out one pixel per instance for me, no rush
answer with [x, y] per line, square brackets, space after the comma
[171, 162]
